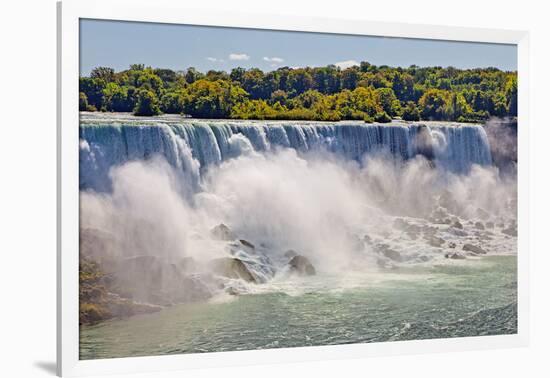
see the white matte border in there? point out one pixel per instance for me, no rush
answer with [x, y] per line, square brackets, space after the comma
[170, 11]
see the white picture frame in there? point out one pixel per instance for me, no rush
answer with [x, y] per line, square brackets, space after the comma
[69, 14]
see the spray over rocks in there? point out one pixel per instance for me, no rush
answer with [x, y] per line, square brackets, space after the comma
[177, 213]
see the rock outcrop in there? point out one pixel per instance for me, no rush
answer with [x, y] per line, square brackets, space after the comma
[474, 248]
[301, 265]
[510, 231]
[222, 232]
[435, 241]
[389, 253]
[97, 303]
[231, 267]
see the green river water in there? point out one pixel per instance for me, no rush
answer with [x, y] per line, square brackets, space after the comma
[472, 297]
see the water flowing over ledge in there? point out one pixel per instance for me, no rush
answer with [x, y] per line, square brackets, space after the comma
[193, 145]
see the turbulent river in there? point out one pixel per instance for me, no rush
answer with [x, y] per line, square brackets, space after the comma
[410, 227]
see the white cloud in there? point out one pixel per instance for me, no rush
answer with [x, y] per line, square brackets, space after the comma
[234, 56]
[273, 59]
[346, 64]
[214, 60]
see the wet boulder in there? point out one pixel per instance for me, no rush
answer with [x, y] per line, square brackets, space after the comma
[247, 244]
[231, 267]
[510, 231]
[389, 253]
[479, 226]
[474, 248]
[458, 225]
[435, 241]
[392, 254]
[301, 265]
[222, 232]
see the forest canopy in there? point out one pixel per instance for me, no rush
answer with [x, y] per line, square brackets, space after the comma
[362, 92]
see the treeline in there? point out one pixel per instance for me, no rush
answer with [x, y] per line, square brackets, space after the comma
[364, 92]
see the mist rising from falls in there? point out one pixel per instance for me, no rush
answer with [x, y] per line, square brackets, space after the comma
[331, 192]
[192, 147]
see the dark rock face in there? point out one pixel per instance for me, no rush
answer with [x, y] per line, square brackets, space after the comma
[248, 244]
[232, 268]
[96, 301]
[301, 265]
[458, 225]
[389, 253]
[392, 255]
[435, 241]
[474, 248]
[479, 226]
[510, 231]
[222, 232]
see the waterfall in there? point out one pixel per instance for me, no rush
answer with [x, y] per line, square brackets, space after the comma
[192, 146]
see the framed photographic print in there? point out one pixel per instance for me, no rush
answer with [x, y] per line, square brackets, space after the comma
[239, 188]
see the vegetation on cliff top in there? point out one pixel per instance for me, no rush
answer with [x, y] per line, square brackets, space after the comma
[364, 92]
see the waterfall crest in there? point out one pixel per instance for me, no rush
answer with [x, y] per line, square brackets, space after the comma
[192, 146]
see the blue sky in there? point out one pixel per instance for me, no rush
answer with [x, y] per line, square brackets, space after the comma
[118, 44]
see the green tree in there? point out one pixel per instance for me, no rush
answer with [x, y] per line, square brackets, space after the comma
[147, 103]
[299, 81]
[253, 84]
[411, 112]
[434, 104]
[116, 98]
[367, 92]
[82, 101]
[212, 99]
[93, 88]
[148, 80]
[237, 74]
[350, 78]
[106, 74]
[172, 103]
[192, 75]
[382, 117]
[279, 96]
[511, 91]
[389, 101]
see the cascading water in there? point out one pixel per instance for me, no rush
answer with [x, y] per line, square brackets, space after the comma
[387, 242]
[192, 146]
